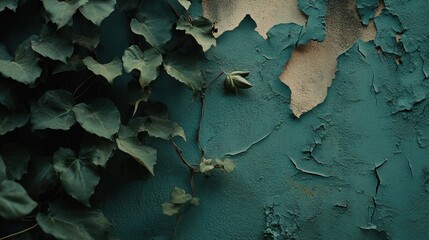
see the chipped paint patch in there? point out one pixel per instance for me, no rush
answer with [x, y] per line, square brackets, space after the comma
[311, 69]
[228, 14]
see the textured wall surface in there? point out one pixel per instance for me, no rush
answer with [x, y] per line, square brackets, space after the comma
[354, 167]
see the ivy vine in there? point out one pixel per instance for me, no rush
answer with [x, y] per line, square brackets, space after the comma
[60, 125]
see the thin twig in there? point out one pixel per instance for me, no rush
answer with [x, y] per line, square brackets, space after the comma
[86, 89]
[20, 232]
[212, 81]
[180, 153]
[82, 83]
[200, 125]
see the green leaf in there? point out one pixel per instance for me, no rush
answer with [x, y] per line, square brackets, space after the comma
[157, 127]
[96, 150]
[126, 5]
[136, 94]
[183, 67]
[24, 67]
[185, 3]
[41, 176]
[11, 4]
[15, 158]
[155, 28]
[78, 175]
[146, 63]
[144, 155]
[61, 12]
[101, 117]
[206, 165]
[89, 40]
[9, 121]
[109, 70]
[228, 165]
[9, 93]
[14, 200]
[67, 220]
[179, 196]
[170, 209]
[2, 170]
[54, 45]
[73, 64]
[53, 110]
[200, 28]
[97, 10]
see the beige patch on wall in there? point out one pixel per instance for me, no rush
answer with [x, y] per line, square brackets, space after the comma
[311, 69]
[229, 13]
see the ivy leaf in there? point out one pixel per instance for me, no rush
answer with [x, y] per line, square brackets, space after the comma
[11, 120]
[200, 28]
[41, 176]
[144, 155]
[54, 45]
[155, 28]
[179, 196]
[60, 12]
[228, 165]
[9, 93]
[126, 5]
[53, 110]
[11, 4]
[24, 67]
[67, 220]
[101, 117]
[170, 209]
[78, 176]
[15, 158]
[96, 150]
[158, 127]
[109, 70]
[14, 200]
[206, 165]
[146, 63]
[185, 3]
[73, 64]
[97, 10]
[183, 67]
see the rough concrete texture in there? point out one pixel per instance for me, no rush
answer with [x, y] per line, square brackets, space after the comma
[354, 167]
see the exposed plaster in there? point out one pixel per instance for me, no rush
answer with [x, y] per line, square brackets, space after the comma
[228, 14]
[311, 69]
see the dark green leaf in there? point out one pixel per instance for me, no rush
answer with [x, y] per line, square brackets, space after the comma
[73, 64]
[54, 45]
[200, 28]
[24, 67]
[9, 93]
[185, 68]
[155, 28]
[61, 12]
[11, 120]
[89, 40]
[144, 155]
[41, 176]
[157, 127]
[109, 70]
[15, 158]
[146, 63]
[78, 176]
[126, 5]
[2, 170]
[101, 117]
[14, 200]
[96, 150]
[97, 10]
[11, 4]
[67, 220]
[53, 110]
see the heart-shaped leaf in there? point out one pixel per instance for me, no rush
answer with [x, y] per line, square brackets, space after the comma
[14, 200]
[10, 120]
[101, 117]
[200, 28]
[97, 10]
[144, 155]
[155, 28]
[11, 4]
[54, 45]
[146, 63]
[60, 12]
[53, 110]
[24, 67]
[15, 158]
[109, 70]
[67, 220]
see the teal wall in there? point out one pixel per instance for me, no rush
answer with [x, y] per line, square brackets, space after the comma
[355, 167]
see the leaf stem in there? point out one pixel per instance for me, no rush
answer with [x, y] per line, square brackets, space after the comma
[20, 232]
[81, 84]
[200, 125]
[180, 153]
